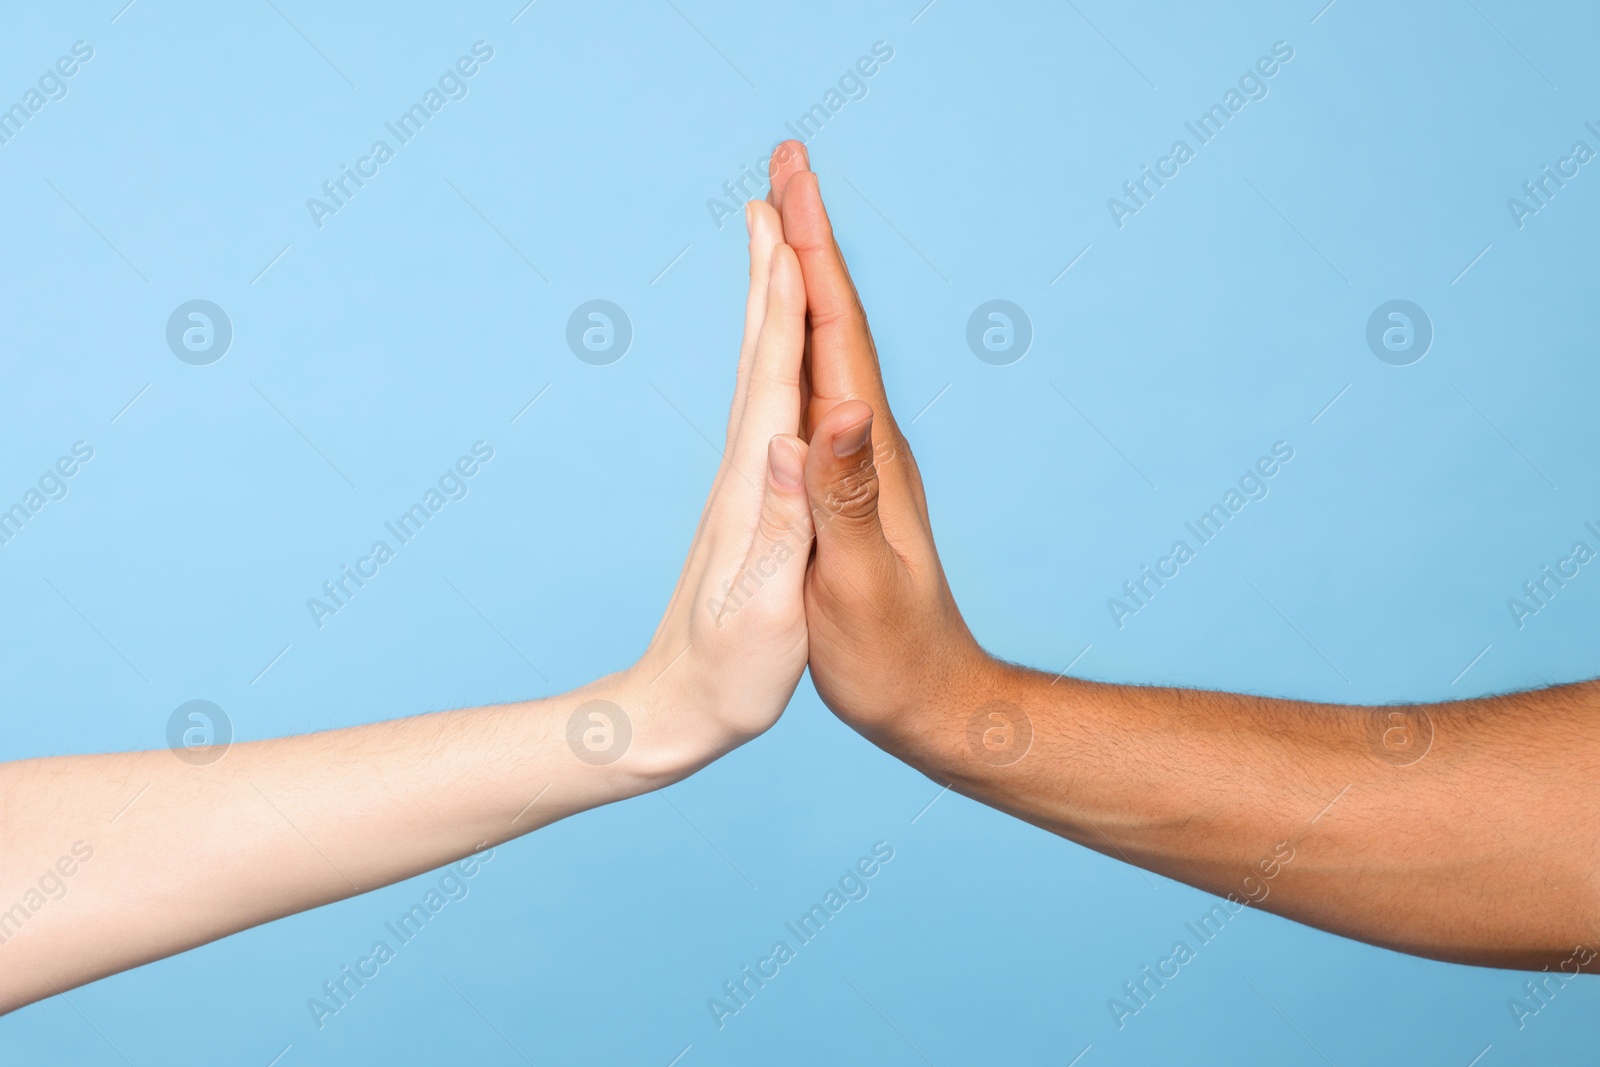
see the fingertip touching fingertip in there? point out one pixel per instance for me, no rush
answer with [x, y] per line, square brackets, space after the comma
[789, 149]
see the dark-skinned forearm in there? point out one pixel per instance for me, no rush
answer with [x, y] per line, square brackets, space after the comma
[1464, 831]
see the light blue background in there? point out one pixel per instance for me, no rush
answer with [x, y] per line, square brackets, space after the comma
[1222, 318]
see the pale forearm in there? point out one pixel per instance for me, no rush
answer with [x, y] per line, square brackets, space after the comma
[116, 860]
[1463, 831]
[164, 855]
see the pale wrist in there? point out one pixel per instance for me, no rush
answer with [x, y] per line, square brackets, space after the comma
[670, 736]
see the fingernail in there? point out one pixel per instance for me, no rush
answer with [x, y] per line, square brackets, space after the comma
[849, 442]
[783, 460]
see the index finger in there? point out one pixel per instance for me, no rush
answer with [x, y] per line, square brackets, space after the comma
[844, 362]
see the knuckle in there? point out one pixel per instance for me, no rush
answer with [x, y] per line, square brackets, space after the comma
[781, 523]
[854, 494]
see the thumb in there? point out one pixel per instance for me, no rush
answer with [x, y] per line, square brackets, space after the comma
[783, 532]
[842, 481]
